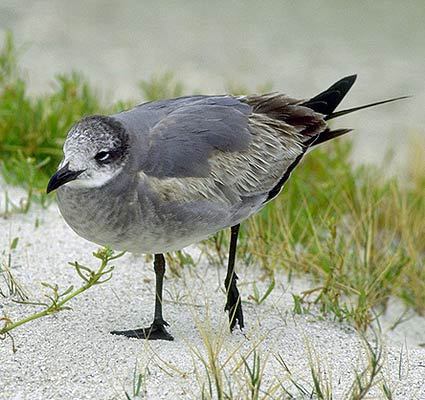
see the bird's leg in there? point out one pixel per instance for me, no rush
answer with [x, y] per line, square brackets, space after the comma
[233, 304]
[157, 329]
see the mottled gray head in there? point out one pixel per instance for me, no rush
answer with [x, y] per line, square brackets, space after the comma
[95, 151]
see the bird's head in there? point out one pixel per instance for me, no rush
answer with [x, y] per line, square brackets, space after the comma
[95, 151]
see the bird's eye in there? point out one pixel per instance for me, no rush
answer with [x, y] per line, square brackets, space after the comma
[103, 156]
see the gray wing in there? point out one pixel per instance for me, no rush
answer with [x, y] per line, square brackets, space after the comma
[218, 147]
[177, 137]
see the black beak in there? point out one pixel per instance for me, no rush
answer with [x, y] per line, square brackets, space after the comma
[61, 177]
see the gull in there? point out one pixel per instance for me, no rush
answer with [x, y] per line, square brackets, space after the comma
[170, 173]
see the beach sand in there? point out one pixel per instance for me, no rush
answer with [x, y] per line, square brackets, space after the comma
[72, 355]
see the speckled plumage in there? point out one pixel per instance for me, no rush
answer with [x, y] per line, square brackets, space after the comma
[194, 166]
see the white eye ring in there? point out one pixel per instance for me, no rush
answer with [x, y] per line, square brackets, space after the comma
[102, 156]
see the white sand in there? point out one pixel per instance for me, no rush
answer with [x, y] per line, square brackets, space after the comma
[71, 355]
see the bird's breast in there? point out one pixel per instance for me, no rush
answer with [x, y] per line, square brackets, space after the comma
[137, 222]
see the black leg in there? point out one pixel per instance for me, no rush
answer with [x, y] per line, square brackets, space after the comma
[157, 329]
[233, 304]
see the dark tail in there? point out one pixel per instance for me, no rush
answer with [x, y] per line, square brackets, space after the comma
[327, 101]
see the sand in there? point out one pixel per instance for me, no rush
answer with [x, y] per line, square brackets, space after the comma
[71, 355]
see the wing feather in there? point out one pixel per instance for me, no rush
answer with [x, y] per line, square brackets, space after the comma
[224, 148]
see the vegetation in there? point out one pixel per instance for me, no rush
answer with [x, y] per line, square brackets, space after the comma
[238, 373]
[358, 233]
[57, 300]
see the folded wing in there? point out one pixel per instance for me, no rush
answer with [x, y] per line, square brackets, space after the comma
[221, 147]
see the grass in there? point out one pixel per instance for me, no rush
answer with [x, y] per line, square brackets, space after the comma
[235, 371]
[9, 286]
[57, 300]
[139, 385]
[356, 232]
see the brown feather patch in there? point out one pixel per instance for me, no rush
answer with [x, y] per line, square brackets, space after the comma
[286, 109]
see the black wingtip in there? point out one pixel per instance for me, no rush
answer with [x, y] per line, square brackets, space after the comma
[350, 110]
[330, 134]
[326, 102]
[345, 83]
[351, 78]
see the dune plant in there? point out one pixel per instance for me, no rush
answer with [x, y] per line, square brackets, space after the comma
[58, 299]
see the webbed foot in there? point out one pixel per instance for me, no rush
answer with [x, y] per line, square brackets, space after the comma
[156, 331]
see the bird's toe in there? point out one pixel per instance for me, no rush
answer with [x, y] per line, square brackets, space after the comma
[156, 331]
[234, 307]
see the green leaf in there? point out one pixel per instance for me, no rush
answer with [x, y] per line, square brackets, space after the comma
[14, 243]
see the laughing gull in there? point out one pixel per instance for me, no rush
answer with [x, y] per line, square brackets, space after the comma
[169, 173]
